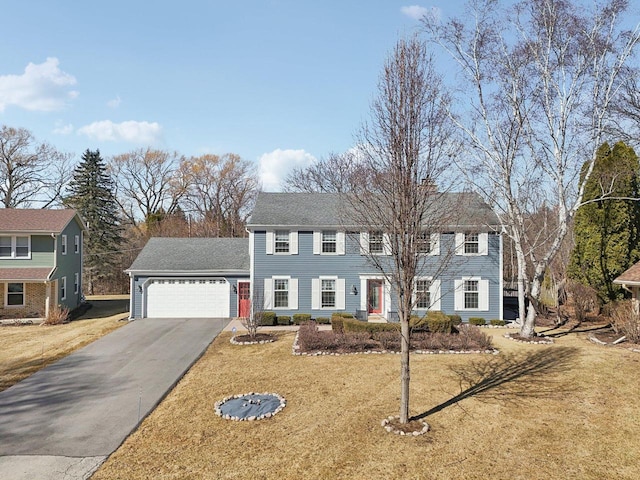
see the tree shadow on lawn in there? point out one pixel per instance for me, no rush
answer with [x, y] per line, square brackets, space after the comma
[511, 377]
[574, 329]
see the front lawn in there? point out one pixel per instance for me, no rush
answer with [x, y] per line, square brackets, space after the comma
[566, 410]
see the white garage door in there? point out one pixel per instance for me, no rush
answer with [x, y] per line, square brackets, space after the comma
[184, 298]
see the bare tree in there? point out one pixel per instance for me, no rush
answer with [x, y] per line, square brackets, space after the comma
[541, 78]
[221, 191]
[336, 173]
[405, 149]
[145, 182]
[30, 172]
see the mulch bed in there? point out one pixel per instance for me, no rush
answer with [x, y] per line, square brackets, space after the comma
[258, 338]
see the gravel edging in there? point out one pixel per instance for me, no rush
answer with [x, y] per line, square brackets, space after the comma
[218, 404]
[534, 341]
[388, 426]
[233, 341]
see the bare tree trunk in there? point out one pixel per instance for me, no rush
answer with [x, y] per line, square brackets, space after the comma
[405, 374]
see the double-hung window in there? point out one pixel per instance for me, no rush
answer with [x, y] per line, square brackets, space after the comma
[63, 244]
[471, 294]
[63, 288]
[76, 244]
[423, 242]
[15, 247]
[282, 241]
[14, 295]
[329, 241]
[376, 242]
[280, 293]
[423, 294]
[76, 283]
[471, 243]
[328, 295]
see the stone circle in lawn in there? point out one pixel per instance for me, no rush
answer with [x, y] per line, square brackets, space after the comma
[250, 406]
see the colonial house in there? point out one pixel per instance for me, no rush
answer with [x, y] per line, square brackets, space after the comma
[300, 258]
[40, 261]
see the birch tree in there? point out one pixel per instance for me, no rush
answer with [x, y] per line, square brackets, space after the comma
[539, 82]
[405, 152]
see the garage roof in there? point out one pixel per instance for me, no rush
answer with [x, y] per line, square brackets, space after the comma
[193, 255]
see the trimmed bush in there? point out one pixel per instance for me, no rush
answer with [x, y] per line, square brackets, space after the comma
[284, 320]
[299, 318]
[344, 314]
[455, 319]
[438, 322]
[496, 322]
[337, 324]
[477, 321]
[352, 325]
[418, 323]
[323, 320]
[267, 318]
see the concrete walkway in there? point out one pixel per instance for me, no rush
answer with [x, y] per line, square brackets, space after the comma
[63, 421]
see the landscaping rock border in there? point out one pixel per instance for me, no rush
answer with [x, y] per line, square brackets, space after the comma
[218, 405]
[388, 426]
[233, 341]
[541, 340]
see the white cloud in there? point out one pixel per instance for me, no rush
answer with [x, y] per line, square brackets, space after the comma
[42, 87]
[415, 11]
[61, 129]
[274, 166]
[115, 102]
[131, 131]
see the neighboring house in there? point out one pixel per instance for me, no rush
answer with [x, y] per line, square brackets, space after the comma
[40, 261]
[191, 278]
[300, 259]
[303, 260]
[630, 280]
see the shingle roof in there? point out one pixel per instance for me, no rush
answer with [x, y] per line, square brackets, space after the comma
[326, 209]
[35, 220]
[24, 274]
[630, 277]
[205, 255]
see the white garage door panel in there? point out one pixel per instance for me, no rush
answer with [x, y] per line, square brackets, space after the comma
[187, 299]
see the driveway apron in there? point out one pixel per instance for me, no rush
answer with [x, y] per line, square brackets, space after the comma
[86, 404]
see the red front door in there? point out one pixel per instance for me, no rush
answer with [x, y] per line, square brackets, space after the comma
[374, 296]
[244, 299]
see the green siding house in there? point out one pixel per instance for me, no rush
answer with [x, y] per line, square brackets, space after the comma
[40, 261]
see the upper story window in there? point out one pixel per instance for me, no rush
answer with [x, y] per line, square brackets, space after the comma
[423, 242]
[471, 243]
[76, 244]
[376, 242]
[282, 241]
[63, 248]
[329, 241]
[15, 247]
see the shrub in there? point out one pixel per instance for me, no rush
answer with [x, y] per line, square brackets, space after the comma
[388, 340]
[477, 321]
[337, 324]
[626, 320]
[267, 318]
[418, 323]
[299, 318]
[438, 322]
[496, 322]
[284, 320]
[57, 315]
[310, 339]
[352, 325]
[585, 300]
[455, 319]
[323, 320]
[345, 314]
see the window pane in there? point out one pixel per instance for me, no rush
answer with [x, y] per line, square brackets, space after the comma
[329, 241]
[281, 293]
[471, 296]
[471, 244]
[423, 296]
[5, 246]
[282, 241]
[424, 242]
[15, 294]
[375, 242]
[22, 246]
[328, 293]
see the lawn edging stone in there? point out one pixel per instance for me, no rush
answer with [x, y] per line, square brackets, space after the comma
[539, 340]
[249, 399]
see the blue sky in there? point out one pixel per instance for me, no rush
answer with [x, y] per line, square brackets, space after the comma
[279, 82]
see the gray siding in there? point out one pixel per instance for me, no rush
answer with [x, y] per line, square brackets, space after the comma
[41, 254]
[69, 265]
[137, 295]
[306, 266]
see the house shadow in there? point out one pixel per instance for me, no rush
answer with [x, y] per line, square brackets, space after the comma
[512, 377]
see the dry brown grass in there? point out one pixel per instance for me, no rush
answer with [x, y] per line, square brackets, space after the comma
[570, 410]
[26, 349]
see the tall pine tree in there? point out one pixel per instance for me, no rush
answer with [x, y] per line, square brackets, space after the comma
[607, 231]
[91, 194]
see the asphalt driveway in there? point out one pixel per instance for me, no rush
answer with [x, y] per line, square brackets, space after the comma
[74, 413]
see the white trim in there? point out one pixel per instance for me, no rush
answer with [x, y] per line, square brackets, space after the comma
[340, 242]
[483, 244]
[293, 242]
[269, 241]
[315, 294]
[293, 294]
[386, 244]
[435, 244]
[317, 242]
[434, 294]
[364, 243]
[14, 246]
[483, 294]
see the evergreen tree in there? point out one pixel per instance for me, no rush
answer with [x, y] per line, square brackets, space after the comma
[607, 231]
[91, 193]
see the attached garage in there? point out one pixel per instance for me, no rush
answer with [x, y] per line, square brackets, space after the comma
[187, 298]
[189, 278]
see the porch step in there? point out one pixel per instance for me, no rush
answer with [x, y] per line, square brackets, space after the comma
[376, 319]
